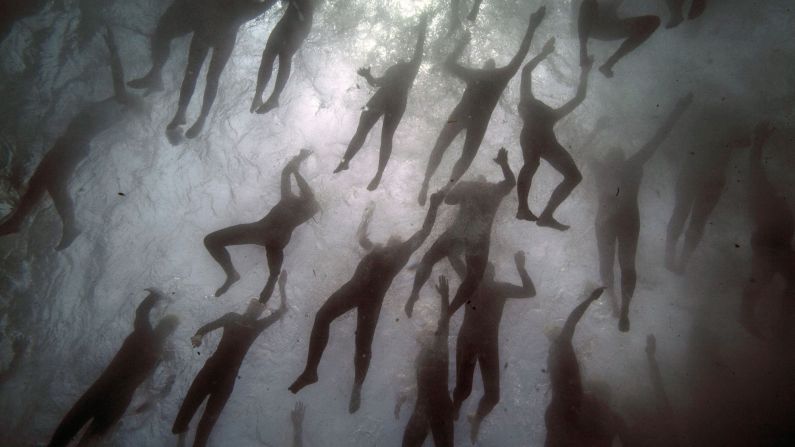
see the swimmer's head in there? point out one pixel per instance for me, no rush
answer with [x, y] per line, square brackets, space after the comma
[254, 309]
[166, 326]
[394, 241]
[490, 64]
[489, 271]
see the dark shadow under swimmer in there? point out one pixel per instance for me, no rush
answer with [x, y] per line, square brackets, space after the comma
[214, 24]
[771, 241]
[574, 417]
[433, 410]
[617, 223]
[284, 41]
[55, 170]
[600, 20]
[216, 380]
[388, 101]
[364, 292]
[478, 338]
[108, 398]
[539, 141]
[473, 112]
[676, 7]
[470, 233]
[272, 232]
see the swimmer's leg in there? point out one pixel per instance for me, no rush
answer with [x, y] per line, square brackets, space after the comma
[367, 120]
[391, 121]
[532, 160]
[221, 54]
[438, 251]
[215, 404]
[451, 129]
[640, 29]
[285, 66]
[75, 419]
[172, 24]
[417, 428]
[466, 359]
[474, 138]
[275, 259]
[589, 11]
[366, 321]
[197, 393]
[196, 55]
[265, 70]
[217, 241]
[627, 250]
[489, 360]
[563, 163]
[606, 246]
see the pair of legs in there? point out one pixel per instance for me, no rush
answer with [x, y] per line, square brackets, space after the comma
[767, 262]
[283, 44]
[430, 416]
[457, 122]
[698, 206]
[558, 158]
[49, 178]
[634, 31]
[622, 231]
[468, 354]
[214, 385]
[93, 406]
[199, 47]
[175, 22]
[245, 234]
[370, 115]
[677, 11]
[341, 302]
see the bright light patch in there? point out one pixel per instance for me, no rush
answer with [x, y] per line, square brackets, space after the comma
[412, 7]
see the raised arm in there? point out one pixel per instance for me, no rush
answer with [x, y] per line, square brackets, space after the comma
[443, 328]
[509, 180]
[535, 19]
[142, 313]
[116, 68]
[305, 191]
[526, 88]
[647, 151]
[264, 323]
[451, 62]
[416, 58]
[581, 91]
[196, 340]
[414, 242]
[364, 239]
[368, 76]
[574, 317]
[526, 290]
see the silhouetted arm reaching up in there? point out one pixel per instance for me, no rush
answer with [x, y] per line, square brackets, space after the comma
[647, 151]
[526, 290]
[364, 239]
[574, 317]
[535, 19]
[144, 309]
[581, 91]
[451, 63]
[264, 323]
[526, 88]
[368, 76]
[292, 169]
[416, 58]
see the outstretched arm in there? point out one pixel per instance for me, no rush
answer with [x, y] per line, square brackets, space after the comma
[364, 239]
[368, 76]
[416, 58]
[305, 191]
[451, 63]
[144, 309]
[581, 92]
[526, 290]
[414, 242]
[116, 68]
[574, 317]
[292, 168]
[535, 19]
[647, 151]
[526, 88]
[264, 323]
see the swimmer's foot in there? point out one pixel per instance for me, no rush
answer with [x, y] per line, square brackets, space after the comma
[68, 236]
[526, 214]
[474, 428]
[374, 183]
[268, 106]
[255, 104]
[423, 194]
[174, 136]
[343, 166]
[607, 71]
[356, 399]
[231, 279]
[305, 379]
[545, 220]
[195, 129]
[623, 323]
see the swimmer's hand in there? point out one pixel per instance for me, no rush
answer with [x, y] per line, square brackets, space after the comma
[502, 156]
[196, 341]
[364, 72]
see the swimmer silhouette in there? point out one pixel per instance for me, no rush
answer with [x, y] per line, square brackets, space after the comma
[599, 20]
[470, 233]
[55, 170]
[665, 411]
[286, 38]
[575, 417]
[434, 409]
[771, 239]
[539, 142]
[272, 232]
[364, 292]
[18, 347]
[297, 417]
[618, 218]
[699, 187]
[676, 8]
[108, 398]
[478, 339]
[455, 20]
[214, 24]
[389, 101]
[216, 380]
[473, 112]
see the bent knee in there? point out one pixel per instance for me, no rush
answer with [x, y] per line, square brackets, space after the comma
[647, 25]
[574, 178]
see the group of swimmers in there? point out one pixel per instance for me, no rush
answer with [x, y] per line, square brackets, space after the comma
[574, 416]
